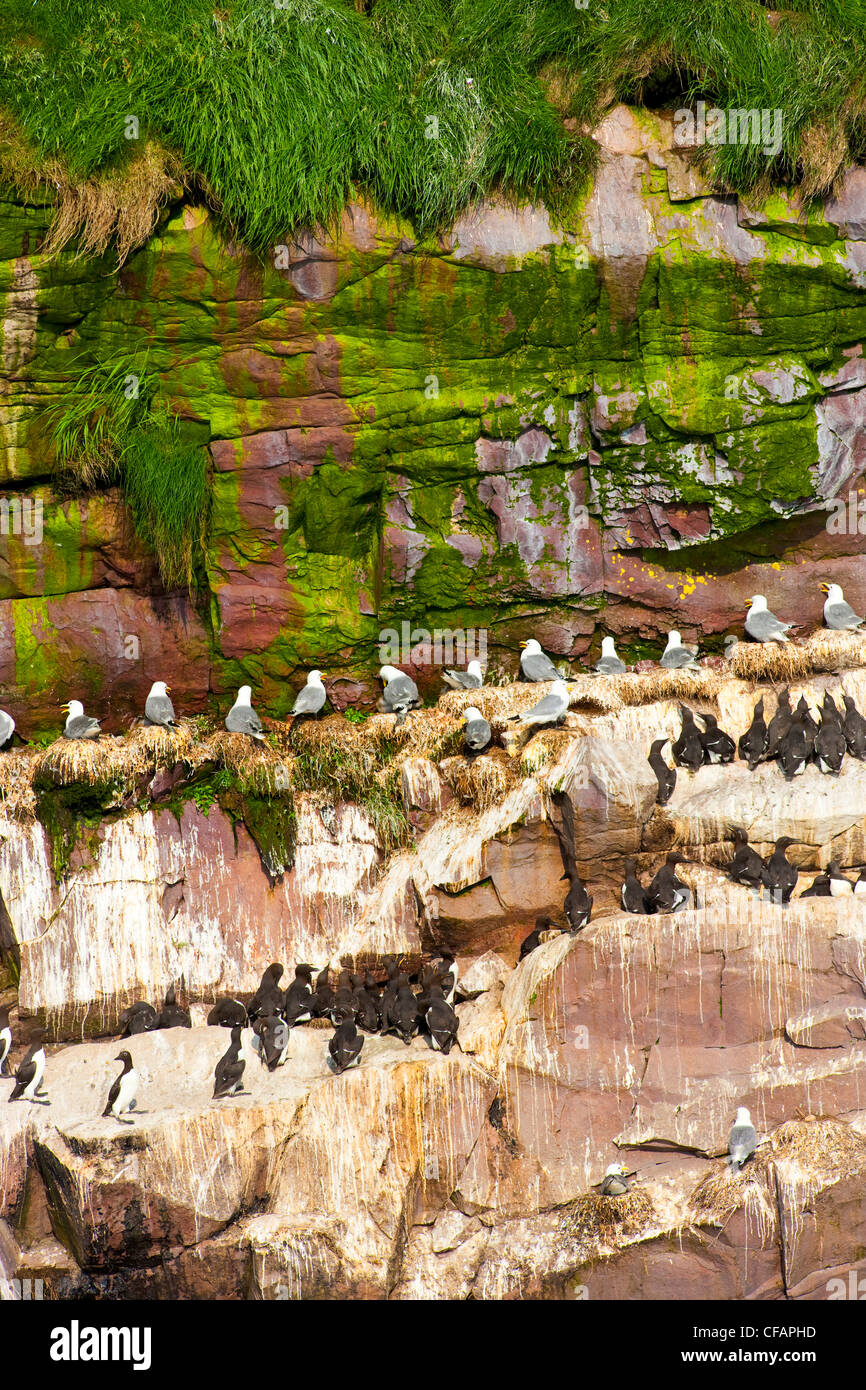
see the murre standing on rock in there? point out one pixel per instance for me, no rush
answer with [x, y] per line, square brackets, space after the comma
[762, 625]
[794, 749]
[470, 679]
[323, 995]
[838, 614]
[366, 1006]
[140, 1017]
[273, 1034]
[667, 776]
[7, 728]
[615, 1181]
[124, 1091]
[5, 1042]
[755, 741]
[268, 998]
[747, 867]
[172, 1015]
[742, 1140]
[667, 892]
[78, 724]
[854, 728]
[688, 749]
[818, 888]
[242, 718]
[229, 1070]
[633, 893]
[345, 1005]
[578, 903]
[30, 1071]
[718, 746]
[298, 1002]
[533, 940]
[675, 656]
[536, 665]
[228, 1013]
[311, 699]
[442, 1022]
[781, 876]
[400, 1011]
[609, 664]
[400, 694]
[780, 723]
[830, 744]
[158, 707]
[476, 732]
[345, 1046]
[840, 886]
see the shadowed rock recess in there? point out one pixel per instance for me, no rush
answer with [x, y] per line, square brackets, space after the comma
[627, 420]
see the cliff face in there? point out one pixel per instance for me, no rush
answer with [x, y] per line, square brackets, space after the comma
[631, 420]
[418, 1176]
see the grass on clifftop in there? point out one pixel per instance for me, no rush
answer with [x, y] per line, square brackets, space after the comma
[279, 110]
[113, 430]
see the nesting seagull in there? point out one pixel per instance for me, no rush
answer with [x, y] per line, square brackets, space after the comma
[742, 1141]
[476, 731]
[675, 656]
[79, 724]
[470, 679]
[764, 626]
[609, 664]
[158, 707]
[7, 728]
[615, 1181]
[549, 710]
[400, 693]
[838, 614]
[311, 699]
[242, 718]
[535, 665]
[124, 1089]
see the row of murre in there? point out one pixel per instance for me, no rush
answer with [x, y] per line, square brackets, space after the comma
[792, 738]
[357, 1002]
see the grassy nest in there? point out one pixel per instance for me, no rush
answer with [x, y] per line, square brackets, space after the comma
[480, 782]
[822, 652]
[817, 1148]
[17, 798]
[608, 1221]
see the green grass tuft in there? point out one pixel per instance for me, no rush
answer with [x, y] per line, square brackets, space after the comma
[112, 430]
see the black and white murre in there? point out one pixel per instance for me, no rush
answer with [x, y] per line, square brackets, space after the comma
[666, 776]
[344, 1047]
[29, 1073]
[781, 875]
[667, 892]
[123, 1094]
[229, 1070]
[755, 742]
[688, 749]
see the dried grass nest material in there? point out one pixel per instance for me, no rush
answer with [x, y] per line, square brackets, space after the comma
[480, 782]
[822, 652]
[608, 1221]
[820, 1149]
[603, 694]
